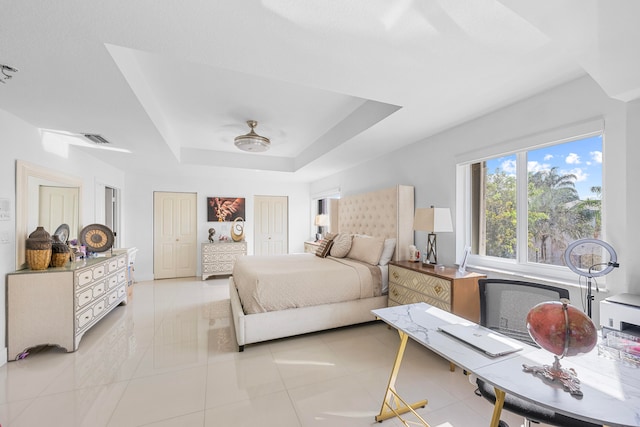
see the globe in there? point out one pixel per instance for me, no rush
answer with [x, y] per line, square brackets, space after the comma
[561, 328]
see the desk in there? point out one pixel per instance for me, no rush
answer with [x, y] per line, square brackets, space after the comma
[611, 390]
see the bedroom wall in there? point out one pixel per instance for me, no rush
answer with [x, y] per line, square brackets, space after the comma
[430, 165]
[20, 140]
[207, 183]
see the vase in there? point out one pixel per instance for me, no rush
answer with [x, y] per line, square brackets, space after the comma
[38, 249]
[59, 252]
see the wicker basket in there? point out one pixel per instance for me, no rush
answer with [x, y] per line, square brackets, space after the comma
[59, 259]
[38, 259]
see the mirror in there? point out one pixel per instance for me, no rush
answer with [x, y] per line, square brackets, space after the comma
[39, 192]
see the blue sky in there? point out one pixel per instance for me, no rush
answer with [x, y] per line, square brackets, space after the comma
[582, 158]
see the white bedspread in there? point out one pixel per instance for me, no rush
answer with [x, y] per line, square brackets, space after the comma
[280, 282]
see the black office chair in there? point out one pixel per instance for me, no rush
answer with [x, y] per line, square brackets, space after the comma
[504, 305]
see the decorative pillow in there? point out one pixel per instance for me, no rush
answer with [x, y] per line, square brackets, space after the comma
[387, 251]
[325, 246]
[341, 246]
[366, 249]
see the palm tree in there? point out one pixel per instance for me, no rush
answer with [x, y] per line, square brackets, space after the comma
[551, 218]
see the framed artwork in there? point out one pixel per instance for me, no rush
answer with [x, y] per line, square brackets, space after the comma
[224, 209]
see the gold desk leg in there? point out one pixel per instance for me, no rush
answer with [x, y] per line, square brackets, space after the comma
[391, 409]
[497, 407]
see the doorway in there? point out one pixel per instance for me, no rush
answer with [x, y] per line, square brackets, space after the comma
[174, 235]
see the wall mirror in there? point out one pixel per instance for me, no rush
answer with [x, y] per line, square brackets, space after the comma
[326, 203]
[47, 198]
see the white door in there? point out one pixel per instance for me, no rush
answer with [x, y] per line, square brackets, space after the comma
[271, 229]
[59, 205]
[174, 235]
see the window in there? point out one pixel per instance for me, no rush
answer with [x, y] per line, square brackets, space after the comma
[526, 207]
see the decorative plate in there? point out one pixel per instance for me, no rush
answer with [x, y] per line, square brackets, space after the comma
[97, 237]
[62, 232]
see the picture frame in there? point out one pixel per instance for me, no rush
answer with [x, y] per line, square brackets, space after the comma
[225, 209]
[462, 268]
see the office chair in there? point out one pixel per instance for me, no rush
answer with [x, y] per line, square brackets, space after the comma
[504, 305]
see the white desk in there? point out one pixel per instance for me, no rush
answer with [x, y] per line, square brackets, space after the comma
[611, 391]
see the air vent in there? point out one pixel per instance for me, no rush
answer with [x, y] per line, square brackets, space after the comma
[95, 138]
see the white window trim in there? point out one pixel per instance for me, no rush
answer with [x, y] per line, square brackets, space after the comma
[519, 267]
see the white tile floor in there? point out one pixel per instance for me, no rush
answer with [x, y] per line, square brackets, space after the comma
[169, 358]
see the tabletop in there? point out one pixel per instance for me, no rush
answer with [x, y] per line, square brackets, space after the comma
[610, 389]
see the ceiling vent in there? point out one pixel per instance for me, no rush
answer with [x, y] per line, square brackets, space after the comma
[95, 138]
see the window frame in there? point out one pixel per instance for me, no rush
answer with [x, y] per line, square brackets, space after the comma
[519, 266]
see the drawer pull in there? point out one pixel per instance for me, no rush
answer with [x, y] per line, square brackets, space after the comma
[395, 293]
[395, 275]
[438, 289]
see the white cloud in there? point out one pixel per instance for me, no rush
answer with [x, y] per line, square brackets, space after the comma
[534, 166]
[580, 174]
[572, 159]
[548, 157]
[509, 166]
[596, 156]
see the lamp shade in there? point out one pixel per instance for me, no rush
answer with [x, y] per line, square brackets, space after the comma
[433, 220]
[321, 220]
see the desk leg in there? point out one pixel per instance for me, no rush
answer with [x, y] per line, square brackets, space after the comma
[391, 405]
[497, 407]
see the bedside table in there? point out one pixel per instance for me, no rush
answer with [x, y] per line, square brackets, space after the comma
[311, 247]
[448, 289]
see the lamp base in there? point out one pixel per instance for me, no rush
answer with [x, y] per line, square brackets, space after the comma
[555, 373]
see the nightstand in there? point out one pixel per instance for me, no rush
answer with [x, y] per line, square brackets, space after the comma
[311, 247]
[448, 289]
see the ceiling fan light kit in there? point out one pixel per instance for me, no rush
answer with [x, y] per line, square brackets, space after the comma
[252, 142]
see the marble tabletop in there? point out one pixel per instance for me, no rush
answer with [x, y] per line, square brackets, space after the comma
[611, 390]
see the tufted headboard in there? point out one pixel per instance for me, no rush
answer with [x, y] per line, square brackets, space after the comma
[384, 213]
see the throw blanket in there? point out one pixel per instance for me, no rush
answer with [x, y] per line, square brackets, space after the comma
[281, 282]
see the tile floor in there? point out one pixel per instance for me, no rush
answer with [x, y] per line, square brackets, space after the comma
[169, 358]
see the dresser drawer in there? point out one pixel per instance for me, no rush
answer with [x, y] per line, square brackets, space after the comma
[430, 286]
[399, 295]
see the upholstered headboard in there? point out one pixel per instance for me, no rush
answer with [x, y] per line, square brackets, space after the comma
[384, 213]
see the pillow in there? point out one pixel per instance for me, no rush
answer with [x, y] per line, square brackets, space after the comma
[366, 249]
[341, 246]
[325, 246]
[387, 251]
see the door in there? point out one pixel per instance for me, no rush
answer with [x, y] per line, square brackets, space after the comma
[272, 220]
[174, 235]
[58, 205]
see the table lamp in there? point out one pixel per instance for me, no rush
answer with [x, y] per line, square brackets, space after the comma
[433, 220]
[320, 221]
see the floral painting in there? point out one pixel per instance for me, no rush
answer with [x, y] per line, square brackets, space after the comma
[224, 209]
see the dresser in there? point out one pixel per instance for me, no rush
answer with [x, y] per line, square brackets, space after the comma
[448, 289]
[311, 247]
[218, 258]
[58, 305]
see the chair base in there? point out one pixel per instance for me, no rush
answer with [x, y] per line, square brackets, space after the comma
[530, 410]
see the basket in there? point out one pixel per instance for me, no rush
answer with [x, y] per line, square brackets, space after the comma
[38, 259]
[59, 259]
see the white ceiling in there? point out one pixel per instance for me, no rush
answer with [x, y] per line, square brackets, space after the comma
[331, 83]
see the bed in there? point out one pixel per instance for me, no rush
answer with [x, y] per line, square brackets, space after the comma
[286, 295]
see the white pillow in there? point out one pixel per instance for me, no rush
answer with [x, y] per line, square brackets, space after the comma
[366, 249]
[387, 251]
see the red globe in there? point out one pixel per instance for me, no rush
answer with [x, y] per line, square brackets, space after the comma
[547, 326]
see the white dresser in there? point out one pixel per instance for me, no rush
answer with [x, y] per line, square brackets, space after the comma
[58, 305]
[218, 258]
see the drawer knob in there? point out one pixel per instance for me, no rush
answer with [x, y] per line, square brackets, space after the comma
[395, 275]
[438, 289]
